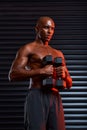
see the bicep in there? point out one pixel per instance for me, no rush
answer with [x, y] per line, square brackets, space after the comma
[66, 69]
[64, 62]
[21, 59]
[20, 62]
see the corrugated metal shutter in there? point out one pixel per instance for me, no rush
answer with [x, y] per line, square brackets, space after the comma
[17, 21]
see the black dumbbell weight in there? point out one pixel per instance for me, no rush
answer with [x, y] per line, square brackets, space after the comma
[60, 83]
[48, 82]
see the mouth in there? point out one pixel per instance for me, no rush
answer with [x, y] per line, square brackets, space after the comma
[48, 36]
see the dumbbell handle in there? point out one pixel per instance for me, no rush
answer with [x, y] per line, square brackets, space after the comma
[57, 61]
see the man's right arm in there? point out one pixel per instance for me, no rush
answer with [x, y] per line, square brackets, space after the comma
[18, 71]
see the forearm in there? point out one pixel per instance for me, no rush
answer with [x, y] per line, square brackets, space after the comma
[68, 80]
[23, 74]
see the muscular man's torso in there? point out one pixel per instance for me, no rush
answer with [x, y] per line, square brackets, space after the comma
[35, 60]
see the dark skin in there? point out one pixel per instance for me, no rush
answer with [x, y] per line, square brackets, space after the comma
[28, 61]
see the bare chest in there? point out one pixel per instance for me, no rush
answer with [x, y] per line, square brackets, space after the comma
[40, 52]
[36, 58]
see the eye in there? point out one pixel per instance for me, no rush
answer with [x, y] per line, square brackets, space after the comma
[46, 27]
[52, 28]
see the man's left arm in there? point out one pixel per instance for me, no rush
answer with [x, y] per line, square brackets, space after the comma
[67, 78]
[63, 72]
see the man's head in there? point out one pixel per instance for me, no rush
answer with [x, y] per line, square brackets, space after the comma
[45, 28]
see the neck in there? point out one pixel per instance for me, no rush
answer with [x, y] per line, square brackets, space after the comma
[46, 43]
[42, 42]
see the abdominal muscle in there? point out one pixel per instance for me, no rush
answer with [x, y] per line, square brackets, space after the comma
[37, 82]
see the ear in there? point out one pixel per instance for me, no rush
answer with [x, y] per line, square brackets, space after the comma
[36, 29]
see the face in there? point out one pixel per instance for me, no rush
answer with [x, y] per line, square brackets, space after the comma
[46, 30]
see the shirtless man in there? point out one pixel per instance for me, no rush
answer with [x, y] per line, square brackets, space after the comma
[43, 109]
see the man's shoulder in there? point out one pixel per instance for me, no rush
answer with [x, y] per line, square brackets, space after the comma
[59, 53]
[28, 46]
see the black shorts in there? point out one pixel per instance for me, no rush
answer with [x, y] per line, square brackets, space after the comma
[43, 111]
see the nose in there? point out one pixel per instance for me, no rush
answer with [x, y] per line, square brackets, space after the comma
[50, 31]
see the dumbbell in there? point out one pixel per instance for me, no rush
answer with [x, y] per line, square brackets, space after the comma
[48, 82]
[60, 84]
[47, 60]
[53, 81]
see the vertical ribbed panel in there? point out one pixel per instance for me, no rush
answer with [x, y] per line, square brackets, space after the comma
[17, 22]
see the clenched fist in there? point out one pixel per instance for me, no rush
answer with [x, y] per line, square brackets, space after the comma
[47, 70]
[61, 71]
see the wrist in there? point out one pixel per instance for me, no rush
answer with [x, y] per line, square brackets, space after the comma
[66, 75]
[41, 72]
